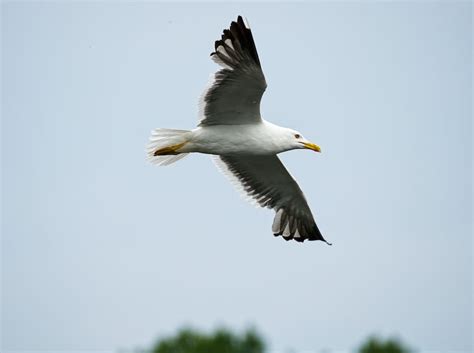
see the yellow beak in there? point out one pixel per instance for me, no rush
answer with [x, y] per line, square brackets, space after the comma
[312, 146]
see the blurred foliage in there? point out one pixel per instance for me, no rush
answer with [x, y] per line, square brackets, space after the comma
[377, 345]
[220, 341]
[223, 340]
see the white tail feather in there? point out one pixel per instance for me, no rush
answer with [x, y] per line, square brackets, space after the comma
[161, 138]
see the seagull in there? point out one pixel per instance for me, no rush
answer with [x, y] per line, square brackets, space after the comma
[244, 146]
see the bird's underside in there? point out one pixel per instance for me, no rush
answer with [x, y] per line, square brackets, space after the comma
[233, 100]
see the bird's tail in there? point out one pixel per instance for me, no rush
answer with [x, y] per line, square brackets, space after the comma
[165, 144]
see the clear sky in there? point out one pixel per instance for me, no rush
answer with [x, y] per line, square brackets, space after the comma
[102, 251]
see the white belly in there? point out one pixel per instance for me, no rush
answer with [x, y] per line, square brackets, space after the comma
[259, 138]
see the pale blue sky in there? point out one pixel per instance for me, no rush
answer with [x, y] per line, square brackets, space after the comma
[102, 251]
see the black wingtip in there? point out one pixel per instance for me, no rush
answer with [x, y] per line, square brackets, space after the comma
[238, 31]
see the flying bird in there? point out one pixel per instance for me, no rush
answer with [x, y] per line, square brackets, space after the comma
[243, 144]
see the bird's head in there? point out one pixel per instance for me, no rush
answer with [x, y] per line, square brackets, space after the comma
[297, 141]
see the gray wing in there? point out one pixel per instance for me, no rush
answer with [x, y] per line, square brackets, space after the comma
[266, 180]
[234, 95]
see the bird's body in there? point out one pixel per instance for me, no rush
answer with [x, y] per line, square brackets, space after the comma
[262, 138]
[245, 145]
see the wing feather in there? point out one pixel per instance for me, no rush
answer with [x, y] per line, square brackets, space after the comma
[266, 180]
[234, 96]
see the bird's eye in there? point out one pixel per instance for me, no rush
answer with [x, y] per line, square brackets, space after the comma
[297, 136]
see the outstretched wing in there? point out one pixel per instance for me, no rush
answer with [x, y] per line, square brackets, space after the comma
[266, 180]
[234, 95]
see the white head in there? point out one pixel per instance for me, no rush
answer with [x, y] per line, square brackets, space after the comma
[295, 140]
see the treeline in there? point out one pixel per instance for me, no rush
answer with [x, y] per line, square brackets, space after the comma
[225, 341]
